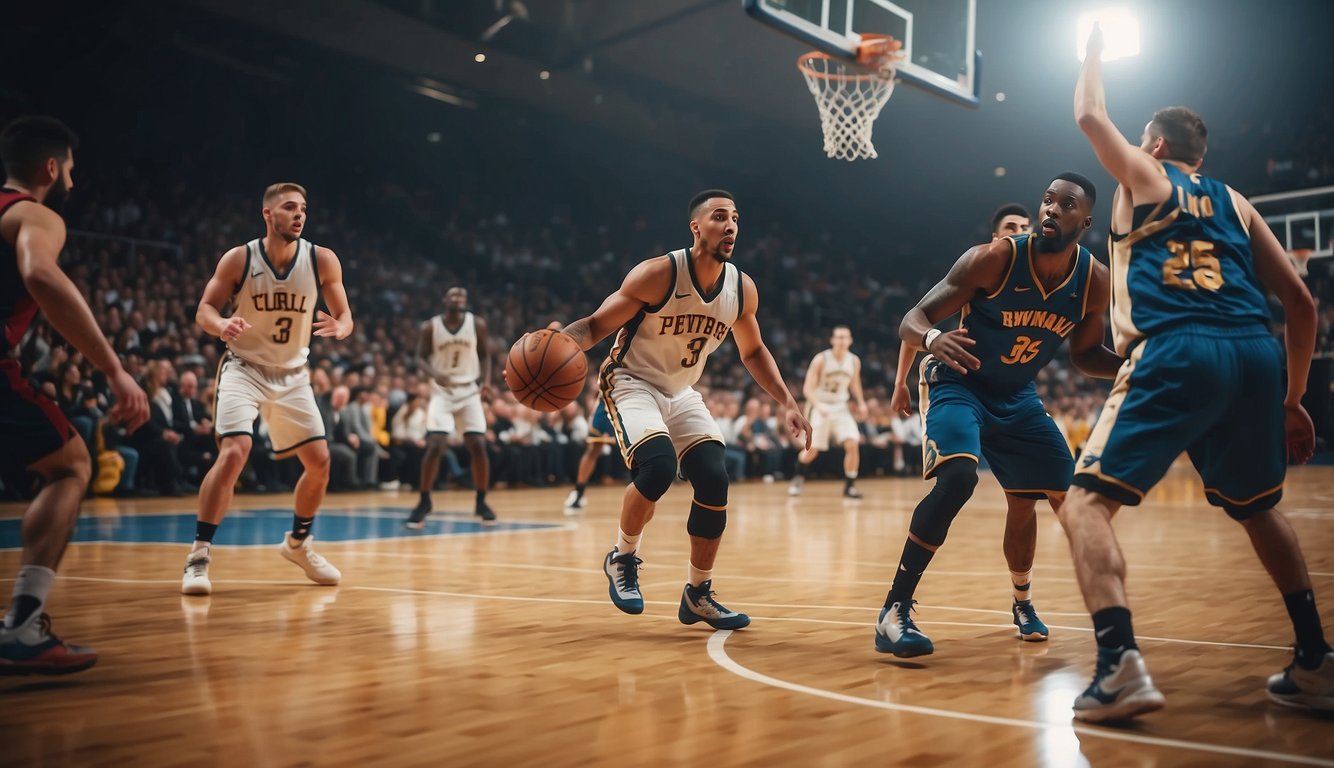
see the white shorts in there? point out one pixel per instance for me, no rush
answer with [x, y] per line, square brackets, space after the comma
[836, 422]
[283, 398]
[639, 411]
[448, 412]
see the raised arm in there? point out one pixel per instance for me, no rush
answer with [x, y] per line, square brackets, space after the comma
[220, 288]
[1131, 166]
[37, 243]
[646, 285]
[337, 322]
[1280, 277]
[1087, 351]
[981, 270]
[762, 366]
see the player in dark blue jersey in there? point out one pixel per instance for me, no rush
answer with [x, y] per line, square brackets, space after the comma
[1019, 298]
[1190, 263]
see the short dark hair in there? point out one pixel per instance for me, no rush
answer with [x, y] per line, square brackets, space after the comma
[1184, 131]
[1081, 181]
[1009, 209]
[29, 141]
[701, 198]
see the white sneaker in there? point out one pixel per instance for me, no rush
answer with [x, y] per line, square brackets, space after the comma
[316, 567]
[575, 501]
[795, 488]
[195, 581]
[1121, 689]
[1305, 688]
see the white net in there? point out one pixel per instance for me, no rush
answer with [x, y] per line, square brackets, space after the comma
[849, 101]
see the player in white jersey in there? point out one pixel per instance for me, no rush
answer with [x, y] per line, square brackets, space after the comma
[673, 311]
[453, 351]
[273, 285]
[833, 378]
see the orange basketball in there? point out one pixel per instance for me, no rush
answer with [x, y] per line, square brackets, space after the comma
[546, 370]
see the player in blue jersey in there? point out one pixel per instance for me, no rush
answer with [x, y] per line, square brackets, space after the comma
[1019, 298]
[1190, 262]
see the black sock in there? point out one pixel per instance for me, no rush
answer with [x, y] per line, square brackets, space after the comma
[801, 469]
[848, 481]
[426, 497]
[204, 531]
[579, 490]
[301, 527]
[912, 565]
[1112, 630]
[24, 607]
[1311, 646]
[481, 498]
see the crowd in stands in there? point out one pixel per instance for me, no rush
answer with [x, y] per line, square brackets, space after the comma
[143, 270]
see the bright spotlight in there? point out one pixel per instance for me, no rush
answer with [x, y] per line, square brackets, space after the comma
[1120, 33]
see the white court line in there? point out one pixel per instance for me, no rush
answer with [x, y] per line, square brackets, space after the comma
[718, 653]
[573, 601]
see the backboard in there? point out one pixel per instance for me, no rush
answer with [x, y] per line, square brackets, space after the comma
[938, 36]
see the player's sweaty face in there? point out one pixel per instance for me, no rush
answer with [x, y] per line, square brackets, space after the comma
[717, 224]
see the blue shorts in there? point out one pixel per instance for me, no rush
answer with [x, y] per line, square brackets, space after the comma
[599, 427]
[1214, 393]
[1022, 444]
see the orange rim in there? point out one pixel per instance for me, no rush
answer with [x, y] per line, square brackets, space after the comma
[874, 48]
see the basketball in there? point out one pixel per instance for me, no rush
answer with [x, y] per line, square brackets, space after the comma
[545, 370]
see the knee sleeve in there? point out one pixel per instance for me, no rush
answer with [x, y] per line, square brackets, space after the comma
[655, 467]
[955, 481]
[704, 465]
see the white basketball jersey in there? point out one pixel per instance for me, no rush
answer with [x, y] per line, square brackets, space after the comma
[835, 378]
[455, 354]
[280, 307]
[666, 345]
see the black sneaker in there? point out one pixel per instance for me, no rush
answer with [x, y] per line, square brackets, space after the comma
[697, 604]
[417, 520]
[484, 512]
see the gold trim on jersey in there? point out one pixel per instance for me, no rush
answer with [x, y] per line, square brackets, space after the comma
[708, 438]
[1014, 256]
[1236, 197]
[1244, 502]
[1088, 288]
[698, 503]
[1047, 491]
[1097, 439]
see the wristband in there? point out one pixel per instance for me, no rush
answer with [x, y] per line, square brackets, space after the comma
[929, 337]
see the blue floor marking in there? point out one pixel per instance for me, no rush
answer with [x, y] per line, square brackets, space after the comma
[266, 526]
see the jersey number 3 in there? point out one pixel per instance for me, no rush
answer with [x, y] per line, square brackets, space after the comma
[1192, 266]
[695, 347]
[284, 325]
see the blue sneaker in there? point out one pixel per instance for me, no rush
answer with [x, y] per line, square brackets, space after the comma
[1026, 619]
[1121, 689]
[896, 633]
[623, 581]
[697, 604]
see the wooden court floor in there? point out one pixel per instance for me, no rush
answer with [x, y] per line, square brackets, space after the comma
[501, 647]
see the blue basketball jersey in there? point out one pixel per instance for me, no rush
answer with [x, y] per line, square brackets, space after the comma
[1185, 260]
[1019, 327]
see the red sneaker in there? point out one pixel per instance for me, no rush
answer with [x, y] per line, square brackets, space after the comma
[31, 649]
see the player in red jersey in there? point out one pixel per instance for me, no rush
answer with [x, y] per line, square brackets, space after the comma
[38, 155]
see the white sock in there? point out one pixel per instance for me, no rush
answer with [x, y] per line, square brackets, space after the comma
[699, 575]
[625, 543]
[1023, 584]
[850, 475]
[33, 581]
[200, 545]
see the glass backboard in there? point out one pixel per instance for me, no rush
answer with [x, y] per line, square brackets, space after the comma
[938, 36]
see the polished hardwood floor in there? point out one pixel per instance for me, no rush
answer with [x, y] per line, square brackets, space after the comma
[500, 647]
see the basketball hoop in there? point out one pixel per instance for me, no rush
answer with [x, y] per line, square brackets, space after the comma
[850, 99]
[1299, 258]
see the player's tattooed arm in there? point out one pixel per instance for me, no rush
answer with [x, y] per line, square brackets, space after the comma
[1087, 351]
[646, 285]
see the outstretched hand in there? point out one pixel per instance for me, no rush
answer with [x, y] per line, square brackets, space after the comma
[1095, 44]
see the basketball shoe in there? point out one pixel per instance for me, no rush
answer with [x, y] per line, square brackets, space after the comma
[31, 649]
[697, 604]
[417, 519]
[1026, 619]
[896, 633]
[484, 512]
[623, 580]
[794, 488]
[1121, 689]
[195, 581]
[1305, 688]
[575, 501]
[304, 555]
